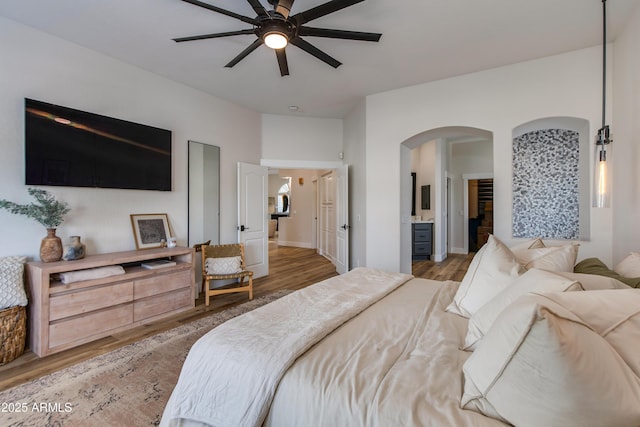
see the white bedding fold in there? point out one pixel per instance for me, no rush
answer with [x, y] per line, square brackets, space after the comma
[231, 374]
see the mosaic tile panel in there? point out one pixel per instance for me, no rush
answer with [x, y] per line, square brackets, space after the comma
[545, 184]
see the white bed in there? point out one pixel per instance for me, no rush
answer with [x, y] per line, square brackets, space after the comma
[396, 363]
[519, 339]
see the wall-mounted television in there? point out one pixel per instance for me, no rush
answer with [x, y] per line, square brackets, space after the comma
[68, 147]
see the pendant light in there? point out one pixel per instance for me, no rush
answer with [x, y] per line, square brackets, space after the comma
[602, 155]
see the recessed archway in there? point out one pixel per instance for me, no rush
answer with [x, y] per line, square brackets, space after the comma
[443, 138]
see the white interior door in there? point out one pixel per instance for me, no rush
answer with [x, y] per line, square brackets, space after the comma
[253, 217]
[342, 213]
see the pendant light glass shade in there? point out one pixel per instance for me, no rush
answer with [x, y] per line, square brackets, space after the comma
[602, 170]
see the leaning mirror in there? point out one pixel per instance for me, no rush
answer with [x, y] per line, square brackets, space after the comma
[204, 193]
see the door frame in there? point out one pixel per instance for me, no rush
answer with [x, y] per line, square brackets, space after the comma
[465, 226]
[306, 164]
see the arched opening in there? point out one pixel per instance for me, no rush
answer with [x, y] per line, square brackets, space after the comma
[442, 146]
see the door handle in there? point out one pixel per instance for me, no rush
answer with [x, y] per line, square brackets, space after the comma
[242, 228]
[345, 227]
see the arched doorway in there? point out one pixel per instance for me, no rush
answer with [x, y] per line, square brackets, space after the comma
[442, 202]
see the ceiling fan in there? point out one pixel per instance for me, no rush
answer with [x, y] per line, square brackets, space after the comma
[276, 28]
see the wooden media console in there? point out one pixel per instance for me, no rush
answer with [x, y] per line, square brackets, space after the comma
[63, 316]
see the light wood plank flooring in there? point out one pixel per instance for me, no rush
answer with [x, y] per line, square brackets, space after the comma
[290, 268]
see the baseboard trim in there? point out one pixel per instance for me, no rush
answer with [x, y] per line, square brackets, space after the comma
[459, 251]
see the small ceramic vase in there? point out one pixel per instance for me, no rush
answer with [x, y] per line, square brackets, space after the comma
[51, 247]
[74, 250]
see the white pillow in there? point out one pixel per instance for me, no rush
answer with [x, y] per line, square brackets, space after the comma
[553, 258]
[593, 282]
[12, 291]
[534, 280]
[222, 266]
[492, 269]
[560, 359]
[630, 266]
[528, 244]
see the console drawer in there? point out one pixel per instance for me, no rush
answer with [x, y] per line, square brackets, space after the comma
[161, 283]
[160, 304]
[93, 324]
[85, 301]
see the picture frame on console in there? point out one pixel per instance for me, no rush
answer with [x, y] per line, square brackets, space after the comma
[151, 230]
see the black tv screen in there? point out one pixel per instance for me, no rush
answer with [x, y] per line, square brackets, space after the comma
[74, 148]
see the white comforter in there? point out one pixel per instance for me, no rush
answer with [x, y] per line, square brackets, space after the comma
[231, 374]
[396, 364]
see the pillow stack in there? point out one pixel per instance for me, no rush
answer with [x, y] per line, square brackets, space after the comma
[495, 267]
[560, 359]
[543, 354]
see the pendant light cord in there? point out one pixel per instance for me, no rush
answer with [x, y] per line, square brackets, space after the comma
[604, 59]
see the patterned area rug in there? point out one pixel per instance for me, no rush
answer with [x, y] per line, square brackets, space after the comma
[126, 387]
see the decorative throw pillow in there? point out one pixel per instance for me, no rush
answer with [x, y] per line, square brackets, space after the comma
[492, 269]
[221, 266]
[533, 280]
[630, 266]
[12, 291]
[561, 359]
[552, 258]
[597, 267]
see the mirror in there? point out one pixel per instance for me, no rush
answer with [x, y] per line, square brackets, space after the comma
[204, 193]
[279, 195]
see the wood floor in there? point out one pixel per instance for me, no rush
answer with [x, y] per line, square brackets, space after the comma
[290, 268]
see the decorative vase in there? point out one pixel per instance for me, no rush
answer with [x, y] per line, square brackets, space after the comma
[74, 250]
[51, 247]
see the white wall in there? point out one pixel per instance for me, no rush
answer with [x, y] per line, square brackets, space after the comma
[299, 227]
[423, 163]
[496, 100]
[625, 128]
[46, 68]
[465, 158]
[301, 139]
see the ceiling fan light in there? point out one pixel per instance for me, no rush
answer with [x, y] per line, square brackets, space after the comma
[275, 40]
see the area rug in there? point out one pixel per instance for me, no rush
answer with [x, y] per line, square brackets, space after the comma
[129, 386]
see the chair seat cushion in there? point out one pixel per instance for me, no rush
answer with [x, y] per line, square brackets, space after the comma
[223, 266]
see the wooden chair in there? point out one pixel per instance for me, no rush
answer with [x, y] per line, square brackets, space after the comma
[225, 251]
[198, 248]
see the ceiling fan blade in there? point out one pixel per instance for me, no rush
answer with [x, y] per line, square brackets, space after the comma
[258, 8]
[312, 50]
[284, 7]
[223, 11]
[245, 52]
[339, 34]
[282, 62]
[322, 10]
[214, 35]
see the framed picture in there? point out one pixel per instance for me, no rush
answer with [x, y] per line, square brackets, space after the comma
[150, 230]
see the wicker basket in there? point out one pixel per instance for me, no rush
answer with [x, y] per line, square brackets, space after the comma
[13, 333]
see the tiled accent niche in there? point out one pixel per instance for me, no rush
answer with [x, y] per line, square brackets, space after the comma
[546, 177]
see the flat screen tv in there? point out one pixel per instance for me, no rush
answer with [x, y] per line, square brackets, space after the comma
[67, 147]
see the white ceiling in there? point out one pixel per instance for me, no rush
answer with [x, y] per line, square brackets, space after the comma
[422, 41]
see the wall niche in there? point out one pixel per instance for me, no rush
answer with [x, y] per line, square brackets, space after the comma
[550, 182]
